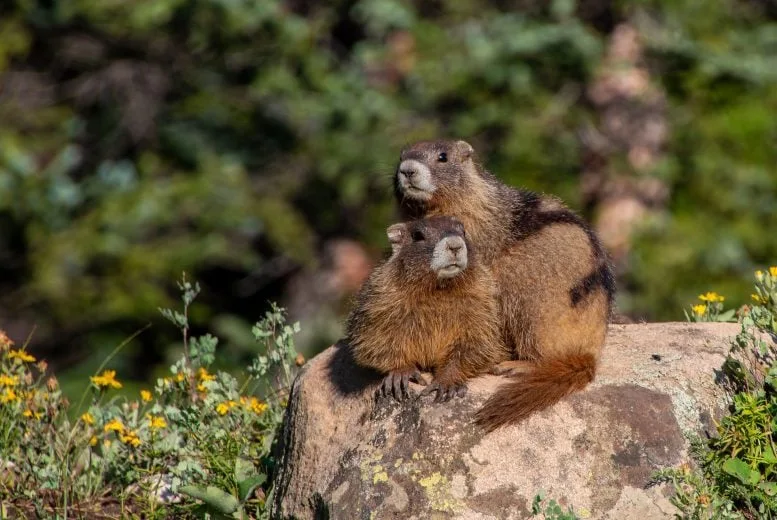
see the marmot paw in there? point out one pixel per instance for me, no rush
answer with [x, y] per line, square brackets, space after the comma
[397, 384]
[445, 392]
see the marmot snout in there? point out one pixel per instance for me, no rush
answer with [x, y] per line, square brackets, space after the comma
[449, 257]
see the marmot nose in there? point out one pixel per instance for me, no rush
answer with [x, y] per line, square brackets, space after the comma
[454, 247]
[407, 172]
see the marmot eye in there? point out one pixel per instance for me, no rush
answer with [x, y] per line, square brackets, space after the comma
[443, 157]
[418, 236]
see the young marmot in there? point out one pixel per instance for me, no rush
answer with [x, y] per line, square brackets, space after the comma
[431, 306]
[555, 281]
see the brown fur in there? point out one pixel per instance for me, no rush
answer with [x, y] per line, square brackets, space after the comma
[556, 285]
[546, 384]
[406, 318]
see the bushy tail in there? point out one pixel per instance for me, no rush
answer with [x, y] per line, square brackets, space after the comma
[547, 383]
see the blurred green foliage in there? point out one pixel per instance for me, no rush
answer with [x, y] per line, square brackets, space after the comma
[232, 138]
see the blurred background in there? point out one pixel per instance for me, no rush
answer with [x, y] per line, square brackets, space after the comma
[251, 144]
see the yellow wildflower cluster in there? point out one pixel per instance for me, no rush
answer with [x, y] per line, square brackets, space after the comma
[87, 418]
[106, 379]
[204, 377]
[21, 355]
[156, 422]
[699, 310]
[8, 380]
[253, 404]
[759, 299]
[145, 395]
[126, 436]
[711, 297]
[114, 425]
[8, 396]
[249, 403]
[29, 413]
[773, 271]
[225, 407]
[130, 437]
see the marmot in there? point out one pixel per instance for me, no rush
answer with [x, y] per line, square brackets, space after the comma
[555, 281]
[432, 306]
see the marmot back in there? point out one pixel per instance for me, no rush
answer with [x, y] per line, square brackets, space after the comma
[432, 305]
[555, 281]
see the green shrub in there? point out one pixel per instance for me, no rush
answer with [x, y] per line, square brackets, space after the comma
[737, 470]
[196, 435]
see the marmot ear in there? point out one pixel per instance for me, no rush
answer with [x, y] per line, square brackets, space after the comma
[465, 149]
[396, 234]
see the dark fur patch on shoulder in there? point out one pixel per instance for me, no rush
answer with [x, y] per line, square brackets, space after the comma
[528, 220]
[601, 277]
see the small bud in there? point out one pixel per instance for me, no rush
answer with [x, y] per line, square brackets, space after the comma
[300, 360]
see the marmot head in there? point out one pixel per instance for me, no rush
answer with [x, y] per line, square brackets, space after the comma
[429, 169]
[431, 248]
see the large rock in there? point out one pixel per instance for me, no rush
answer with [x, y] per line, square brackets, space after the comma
[347, 455]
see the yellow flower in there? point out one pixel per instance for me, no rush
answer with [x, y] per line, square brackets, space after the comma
[21, 355]
[205, 376]
[711, 297]
[253, 404]
[107, 443]
[107, 378]
[773, 271]
[759, 275]
[201, 388]
[156, 422]
[130, 438]
[9, 380]
[93, 441]
[699, 310]
[8, 395]
[224, 407]
[87, 418]
[114, 425]
[257, 406]
[145, 395]
[757, 298]
[29, 413]
[179, 377]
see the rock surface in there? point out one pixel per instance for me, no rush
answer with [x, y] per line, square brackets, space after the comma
[347, 455]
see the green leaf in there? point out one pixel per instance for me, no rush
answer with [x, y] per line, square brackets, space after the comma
[247, 478]
[768, 453]
[244, 469]
[247, 486]
[727, 316]
[770, 488]
[219, 500]
[739, 469]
